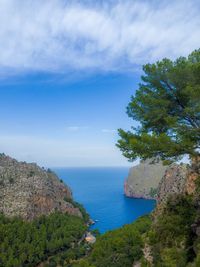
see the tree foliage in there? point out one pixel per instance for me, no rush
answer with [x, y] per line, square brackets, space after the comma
[172, 238]
[118, 248]
[167, 108]
[28, 243]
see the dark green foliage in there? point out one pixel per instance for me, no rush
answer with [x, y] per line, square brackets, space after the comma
[65, 258]
[176, 219]
[197, 184]
[86, 216]
[171, 237]
[153, 192]
[95, 232]
[118, 248]
[31, 174]
[167, 107]
[11, 180]
[82, 209]
[28, 243]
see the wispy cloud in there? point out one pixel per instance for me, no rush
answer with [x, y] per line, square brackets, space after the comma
[60, 36]
[62, 152]
[76, 128]
[108, 131]
[80, 128]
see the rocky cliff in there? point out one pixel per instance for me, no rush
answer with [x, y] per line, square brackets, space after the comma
[29, 191]
[178, 179]
[174, 181]
[143, 180]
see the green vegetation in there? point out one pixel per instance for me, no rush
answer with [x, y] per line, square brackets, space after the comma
[54, 240]
[118, 248]
[31, 174]
[86, 216]
[67, 257]
[11, 180]
[82, 210]
[153, 192]
[167, 107]
[29, 243]
[173, 238]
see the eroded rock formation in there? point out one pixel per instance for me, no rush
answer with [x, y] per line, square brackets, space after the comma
[178, 179]
[173, 182]
[29, 191]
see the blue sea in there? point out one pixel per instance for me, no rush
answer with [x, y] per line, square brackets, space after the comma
[100, 191]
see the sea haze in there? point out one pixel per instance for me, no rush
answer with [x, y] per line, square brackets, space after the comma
[100, 191]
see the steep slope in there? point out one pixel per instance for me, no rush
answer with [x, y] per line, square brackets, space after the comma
[28, 191]
[143, 180]
[178, 179]
[173, 182]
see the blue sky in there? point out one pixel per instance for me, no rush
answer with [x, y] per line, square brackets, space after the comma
[59, 123]
[69, 68]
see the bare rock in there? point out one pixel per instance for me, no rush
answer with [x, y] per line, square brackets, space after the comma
[173, 182]
[28, 191]
[143, 180]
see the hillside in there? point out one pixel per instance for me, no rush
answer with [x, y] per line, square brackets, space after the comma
[169, 237]
[38, 216]
[28, 191]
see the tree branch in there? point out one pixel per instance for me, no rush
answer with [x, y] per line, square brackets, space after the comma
[187, 117]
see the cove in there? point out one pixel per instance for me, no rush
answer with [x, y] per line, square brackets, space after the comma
[100, 191]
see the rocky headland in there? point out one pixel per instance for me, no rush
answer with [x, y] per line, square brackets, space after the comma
[143, 180]
[28, 191]
[156, 181]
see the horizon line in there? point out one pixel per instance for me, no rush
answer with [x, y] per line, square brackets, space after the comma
[111, 166]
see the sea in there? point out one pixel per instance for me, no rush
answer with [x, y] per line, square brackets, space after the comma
[100, 191]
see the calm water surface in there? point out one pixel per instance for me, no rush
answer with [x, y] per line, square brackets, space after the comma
[100, 190]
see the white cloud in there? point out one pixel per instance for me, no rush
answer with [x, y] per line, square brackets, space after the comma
[61, 36]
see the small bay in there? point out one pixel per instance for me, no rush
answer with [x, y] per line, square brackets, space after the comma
[100, 191]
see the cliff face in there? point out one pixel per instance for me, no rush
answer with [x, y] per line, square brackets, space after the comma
[173, 182]
[143, 180]
[178, 179]
[193, 174]
[29, 191]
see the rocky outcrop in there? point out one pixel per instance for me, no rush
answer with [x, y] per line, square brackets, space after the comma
[178, 179]
[28, 191]
[193, 174]
[173, 182]
[143, 180]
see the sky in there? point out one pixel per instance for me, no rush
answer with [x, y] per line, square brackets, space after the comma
[69, 68]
